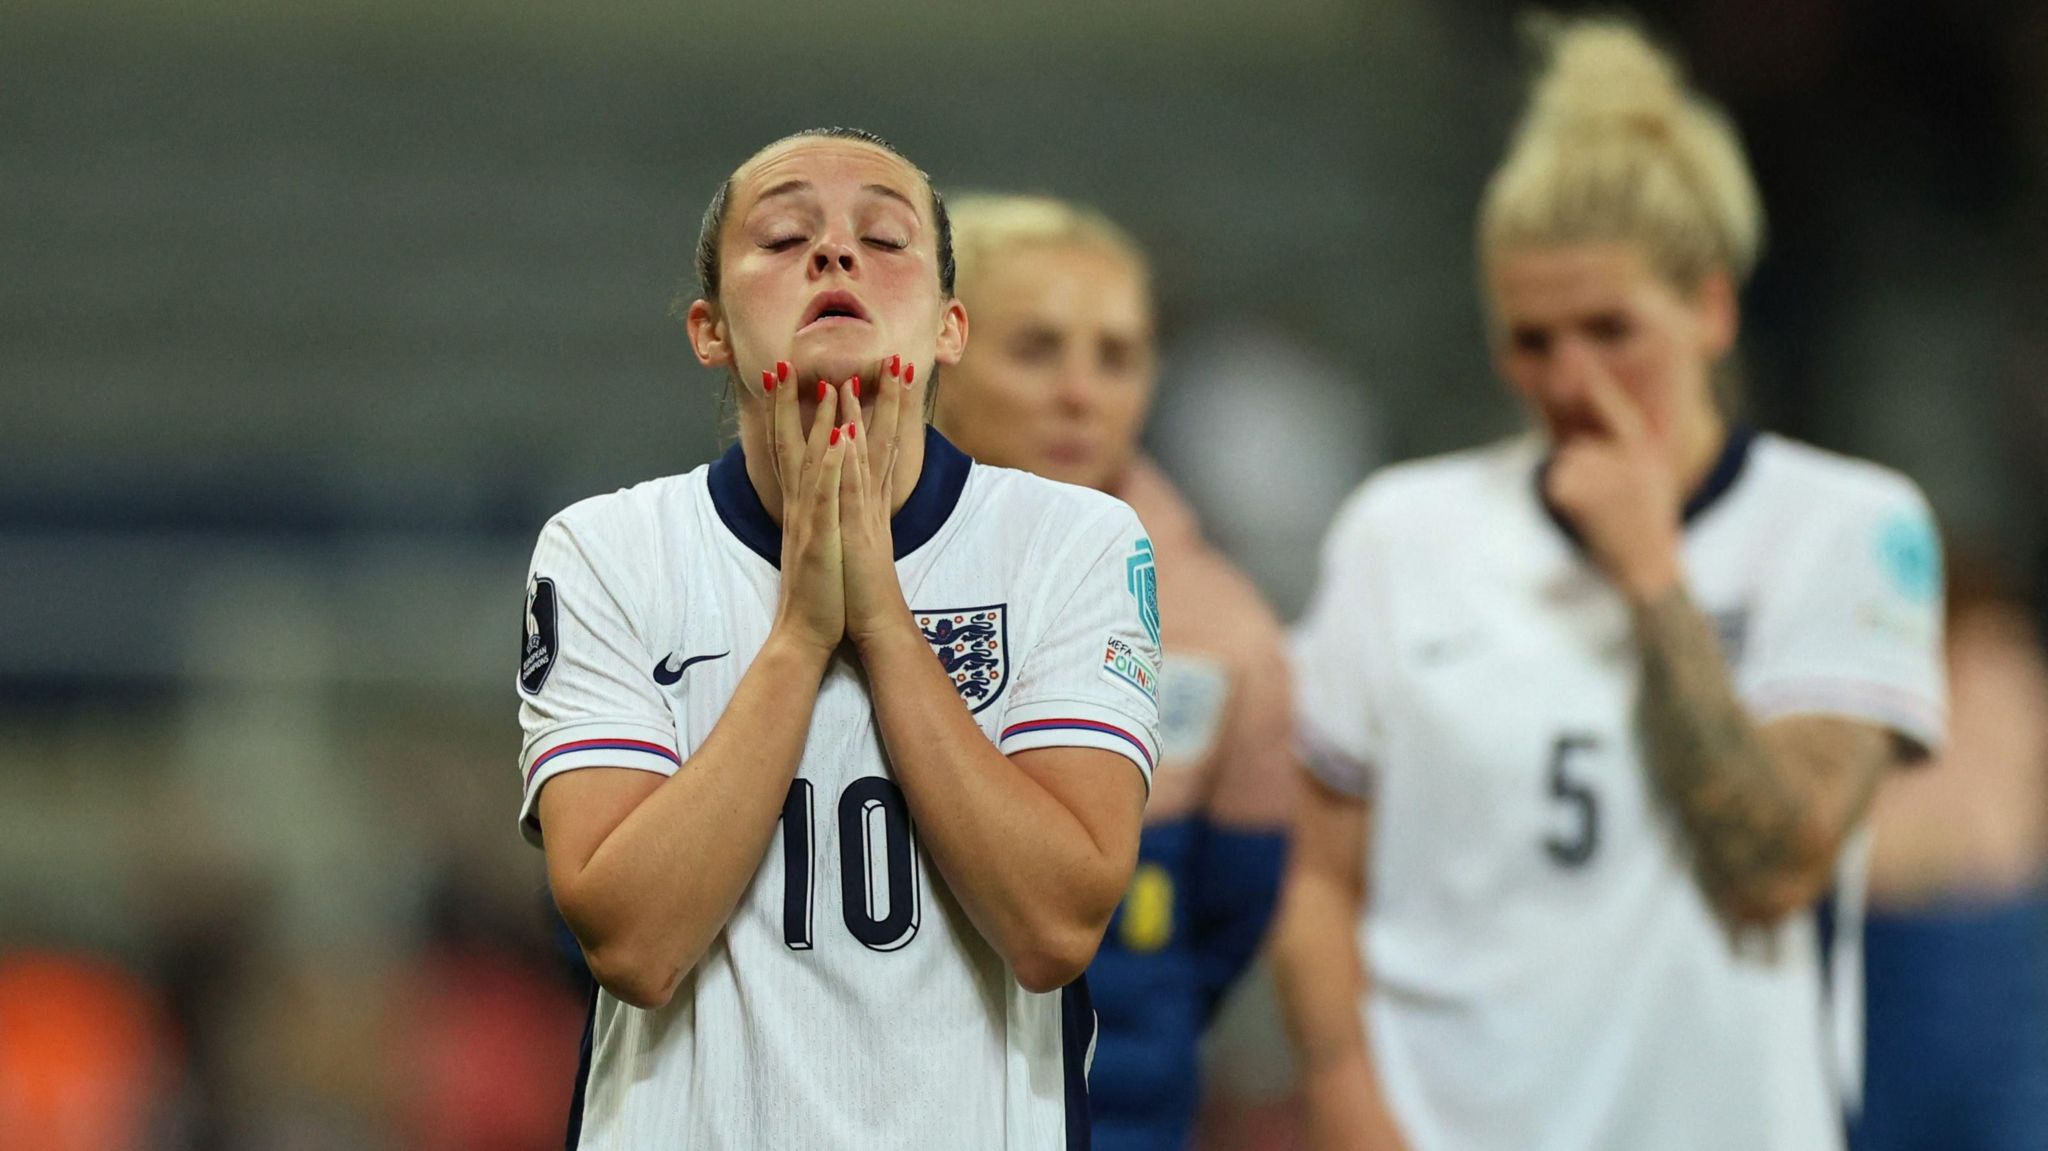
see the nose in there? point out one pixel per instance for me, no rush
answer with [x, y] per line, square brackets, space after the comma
[1075, 388]
[833, 253]
[1564, 377]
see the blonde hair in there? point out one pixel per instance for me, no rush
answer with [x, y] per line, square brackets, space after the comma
[986, 224]
[1613, 146]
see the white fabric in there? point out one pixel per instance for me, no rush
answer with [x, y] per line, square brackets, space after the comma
[923, 1040]
[1537, 987]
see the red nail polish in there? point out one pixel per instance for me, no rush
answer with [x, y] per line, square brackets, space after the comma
[909, 372]
[834, 442]
[767, 380]
[854, 383]
[823, 387]
[896, 365]
[782, 369]
[852, 430]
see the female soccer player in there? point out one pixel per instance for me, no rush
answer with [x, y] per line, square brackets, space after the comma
[1595, 709]
[835, 795]
[1058, 383]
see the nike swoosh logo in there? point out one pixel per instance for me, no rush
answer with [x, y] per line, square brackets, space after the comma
[667, 675]
[1443, 649]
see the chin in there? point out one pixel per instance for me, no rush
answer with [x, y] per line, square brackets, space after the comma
[835, 354]
[1085, 475]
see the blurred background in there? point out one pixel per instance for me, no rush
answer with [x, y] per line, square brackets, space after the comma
[311, 314]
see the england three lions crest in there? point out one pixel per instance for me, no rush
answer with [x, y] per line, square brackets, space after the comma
[973, 645]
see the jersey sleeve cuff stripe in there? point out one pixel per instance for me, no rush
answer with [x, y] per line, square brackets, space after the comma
[1038, 726]
[637, 746]
[1905, 711]
[1340, 772]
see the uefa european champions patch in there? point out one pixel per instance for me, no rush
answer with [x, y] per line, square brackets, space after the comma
[973, 646]
[538, 643]
[1141, 576]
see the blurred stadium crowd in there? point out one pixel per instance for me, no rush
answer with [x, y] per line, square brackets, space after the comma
[310, 317]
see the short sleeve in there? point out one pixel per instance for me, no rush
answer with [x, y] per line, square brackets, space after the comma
[1091, 678]
[586, 698]
[1336, 729]
[1853, 626]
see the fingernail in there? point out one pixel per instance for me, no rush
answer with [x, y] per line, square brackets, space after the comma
[852, 431]
[854, 383]
[909, 372]
[896, 365]
[782, 369]
[823, 387]
[834, 442]
[767, 380]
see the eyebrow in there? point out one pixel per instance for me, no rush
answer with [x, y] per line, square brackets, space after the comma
[791, 187]
[893, 194]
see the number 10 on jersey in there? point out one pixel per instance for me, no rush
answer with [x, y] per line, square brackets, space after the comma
[878, 893]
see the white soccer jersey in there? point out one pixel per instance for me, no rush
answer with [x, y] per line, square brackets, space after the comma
[1546, 973]
[848, 1003]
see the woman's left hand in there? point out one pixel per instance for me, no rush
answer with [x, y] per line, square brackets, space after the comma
[874, 596]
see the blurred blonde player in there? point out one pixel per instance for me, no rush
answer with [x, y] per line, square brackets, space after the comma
[1956, 946]
[1593, 711]
[1058, 382]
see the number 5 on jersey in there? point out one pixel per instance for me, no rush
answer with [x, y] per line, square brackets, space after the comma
[1574, 848]
[878, 890]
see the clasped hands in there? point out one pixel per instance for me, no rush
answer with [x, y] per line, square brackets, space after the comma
[838, 483]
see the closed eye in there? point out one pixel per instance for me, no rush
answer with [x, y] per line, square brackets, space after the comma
[886, 242]
[782, 243]
[1609, 327]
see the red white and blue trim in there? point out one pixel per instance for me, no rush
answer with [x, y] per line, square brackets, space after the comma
[1056, 729]
[614, 743]
[639, 746]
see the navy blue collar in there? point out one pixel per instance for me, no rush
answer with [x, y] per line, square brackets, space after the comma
[1720, 480]
[931, 502]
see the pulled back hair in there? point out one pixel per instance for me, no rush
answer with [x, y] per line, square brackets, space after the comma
[986, 224]
[1614, 146]
[708, 235]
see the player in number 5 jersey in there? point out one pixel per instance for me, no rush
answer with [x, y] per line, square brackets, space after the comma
[835, 792]
[1593, 712]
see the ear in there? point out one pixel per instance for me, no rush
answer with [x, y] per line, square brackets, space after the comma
[1718, 313]
[952, 333]
[707, 334]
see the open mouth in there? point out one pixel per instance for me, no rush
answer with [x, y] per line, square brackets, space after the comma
[833, 305]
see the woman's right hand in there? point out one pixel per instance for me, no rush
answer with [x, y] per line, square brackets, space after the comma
[812, 608]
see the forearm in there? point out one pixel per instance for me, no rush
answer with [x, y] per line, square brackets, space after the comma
[1763, 819]
[1343, 1109]
[1322, 986]
[1027, 871]
[662, 884]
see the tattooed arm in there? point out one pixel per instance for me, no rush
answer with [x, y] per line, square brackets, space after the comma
[1765, 807]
